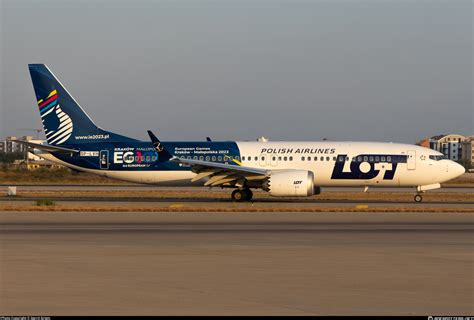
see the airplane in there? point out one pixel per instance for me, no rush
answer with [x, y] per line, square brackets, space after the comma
[283, 169]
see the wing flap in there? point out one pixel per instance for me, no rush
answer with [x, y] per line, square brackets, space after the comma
[221, 173]
[216, 165]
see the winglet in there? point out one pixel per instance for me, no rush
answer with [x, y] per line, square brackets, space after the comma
[163, 154]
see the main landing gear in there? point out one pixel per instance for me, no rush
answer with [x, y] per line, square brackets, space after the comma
[242, 195]
[418, 197]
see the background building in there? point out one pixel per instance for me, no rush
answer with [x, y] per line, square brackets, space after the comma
[424, 143]
[35, 165]
[467, 155]
[455, 147]
[10, 146]
[448, 144]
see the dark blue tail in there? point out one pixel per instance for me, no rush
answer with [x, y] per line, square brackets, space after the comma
[64, 121]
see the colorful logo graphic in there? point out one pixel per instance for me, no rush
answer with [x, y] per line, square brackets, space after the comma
[50, 109]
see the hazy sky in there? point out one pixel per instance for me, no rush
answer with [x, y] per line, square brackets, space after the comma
[290, 70]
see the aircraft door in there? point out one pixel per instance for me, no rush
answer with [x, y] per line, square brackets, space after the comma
[104, 159]
[411, 160]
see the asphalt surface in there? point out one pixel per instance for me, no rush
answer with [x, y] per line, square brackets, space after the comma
[264, 204]
[132, 197]
[236, 263]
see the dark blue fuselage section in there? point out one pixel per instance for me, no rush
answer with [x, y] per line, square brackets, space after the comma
[141, 155]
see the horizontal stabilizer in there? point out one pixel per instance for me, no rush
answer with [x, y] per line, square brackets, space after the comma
[46, 147]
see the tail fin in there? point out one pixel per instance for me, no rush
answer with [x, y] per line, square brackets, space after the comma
[64, 121]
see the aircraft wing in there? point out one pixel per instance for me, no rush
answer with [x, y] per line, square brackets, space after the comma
[46, 147]
[221, 173]
[218, 173]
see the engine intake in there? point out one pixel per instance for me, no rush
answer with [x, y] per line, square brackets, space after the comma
[291, 183]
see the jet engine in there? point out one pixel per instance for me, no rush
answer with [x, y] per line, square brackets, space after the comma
[291, 183]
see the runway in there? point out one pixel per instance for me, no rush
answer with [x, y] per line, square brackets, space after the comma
[143, 187]
[149, 198]
[236, 263]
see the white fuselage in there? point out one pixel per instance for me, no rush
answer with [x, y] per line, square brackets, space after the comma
[419, 169]
[422, 167]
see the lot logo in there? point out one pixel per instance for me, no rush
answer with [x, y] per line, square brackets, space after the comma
[366, 166]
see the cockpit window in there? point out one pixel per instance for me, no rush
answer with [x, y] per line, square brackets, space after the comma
[437, 158]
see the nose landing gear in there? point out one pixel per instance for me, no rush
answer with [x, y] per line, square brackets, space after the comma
[418, 198]
[242, 195]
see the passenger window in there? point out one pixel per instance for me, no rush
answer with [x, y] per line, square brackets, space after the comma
[136, 158]
[347, 158]
[237, 158]
[389, 159]
[382, 159]
[147, 158]
[219, 158]
[341, 159]
[208, 158]
[213, 158]
[153, 158]
[263, 158]
[309, 158]
[291, 158]
[334, 158]
[377, 159]
[354, 159]
[195, 157]
[201, 158]
[366, 158]
[328, 158]
[256, 158]
[285, 158]
[322, 158]
[274, 158]
[249, 158]
[302, 158]
[359, 159]
[371, 159]
[315, 158]
[279, 158]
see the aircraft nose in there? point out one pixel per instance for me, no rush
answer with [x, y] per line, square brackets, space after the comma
[456, 169]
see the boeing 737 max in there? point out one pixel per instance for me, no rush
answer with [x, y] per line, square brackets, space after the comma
[284, 169]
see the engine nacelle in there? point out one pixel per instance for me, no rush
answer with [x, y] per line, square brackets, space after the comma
[291, 183]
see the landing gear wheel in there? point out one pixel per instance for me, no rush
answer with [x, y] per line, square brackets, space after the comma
[242, 195]
[418, 198]
[238, 195]
[248, 194]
